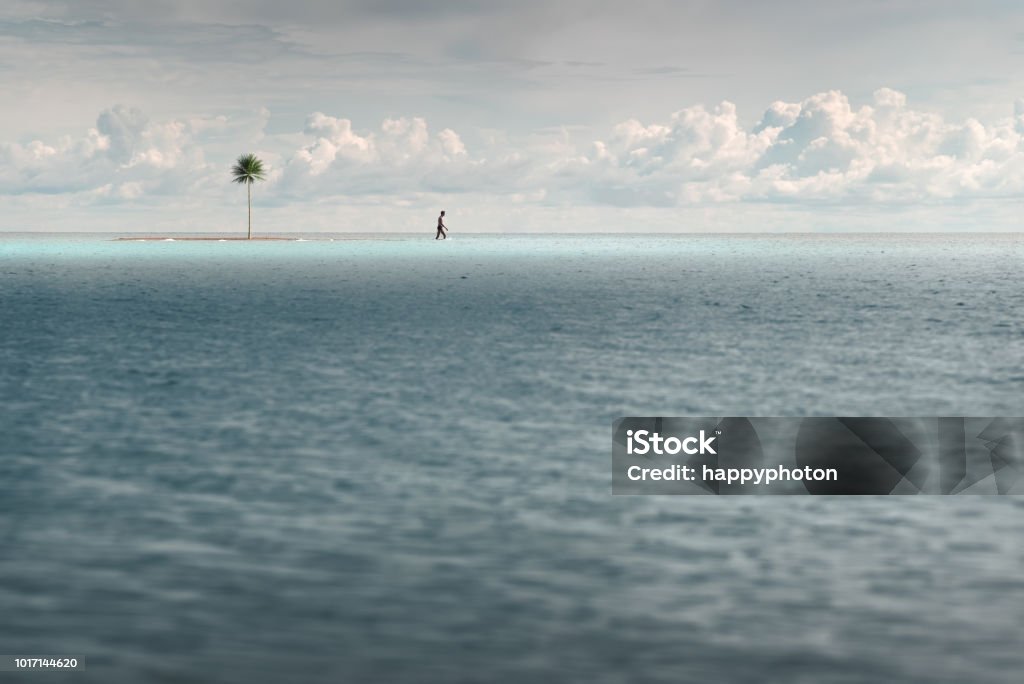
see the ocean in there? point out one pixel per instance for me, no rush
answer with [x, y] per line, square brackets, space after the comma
[388, 460]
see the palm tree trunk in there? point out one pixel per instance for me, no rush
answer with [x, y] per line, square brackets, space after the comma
[248, 190]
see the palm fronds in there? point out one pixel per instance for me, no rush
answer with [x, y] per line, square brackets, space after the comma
[248, 169]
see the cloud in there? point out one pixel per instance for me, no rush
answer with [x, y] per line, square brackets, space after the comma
[401, 157]
[126, 156]
[124, 151]
[819, 151]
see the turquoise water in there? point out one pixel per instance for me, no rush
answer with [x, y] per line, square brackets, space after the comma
[388, 460]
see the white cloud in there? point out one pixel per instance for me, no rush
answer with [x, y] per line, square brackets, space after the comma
[820, 151]
[401, 158]
[128, 157]
[124, 150]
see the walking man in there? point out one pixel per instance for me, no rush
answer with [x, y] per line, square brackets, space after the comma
[441, 228]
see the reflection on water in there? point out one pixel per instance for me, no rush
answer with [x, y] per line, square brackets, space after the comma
[389, 460]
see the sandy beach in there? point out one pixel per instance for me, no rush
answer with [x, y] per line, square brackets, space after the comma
[189, 238]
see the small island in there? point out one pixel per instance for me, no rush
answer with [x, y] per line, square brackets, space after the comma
[207, 238]
[225, 238]
[246, 171]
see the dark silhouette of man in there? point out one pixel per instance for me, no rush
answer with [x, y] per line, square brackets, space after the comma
[441, 235]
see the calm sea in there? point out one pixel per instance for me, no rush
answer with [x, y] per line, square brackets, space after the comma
[389, 460]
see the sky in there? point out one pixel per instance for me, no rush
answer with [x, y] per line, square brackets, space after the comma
[527, 116]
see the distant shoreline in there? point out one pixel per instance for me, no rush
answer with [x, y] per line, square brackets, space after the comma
[158, 238]
[213, 239]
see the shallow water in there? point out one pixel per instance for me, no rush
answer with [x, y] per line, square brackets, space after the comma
[388, 460]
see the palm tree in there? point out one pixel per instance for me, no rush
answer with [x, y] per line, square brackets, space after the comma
[248, 169]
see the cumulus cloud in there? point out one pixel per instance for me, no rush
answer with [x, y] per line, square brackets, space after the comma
[127, 156]
[823, 149]
[401, 157]
[820, 149]
[124, 156]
